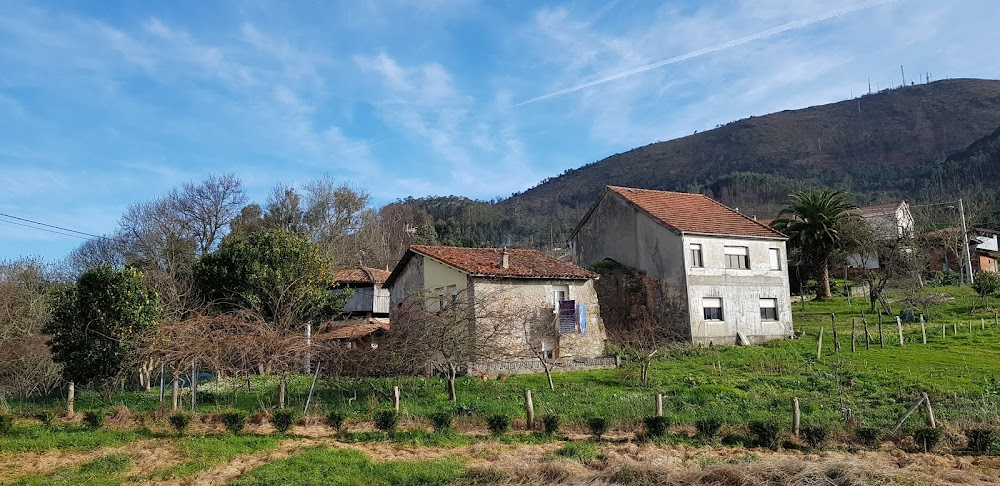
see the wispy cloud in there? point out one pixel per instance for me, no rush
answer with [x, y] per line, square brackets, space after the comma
[797, 24]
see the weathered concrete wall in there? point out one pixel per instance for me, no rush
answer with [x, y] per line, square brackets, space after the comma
[528, 302]
[740, 291]
[608, 233]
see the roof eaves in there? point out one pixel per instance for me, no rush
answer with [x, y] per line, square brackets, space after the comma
[782, 237]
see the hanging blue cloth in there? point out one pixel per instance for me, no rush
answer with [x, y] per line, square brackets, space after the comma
[581, 311]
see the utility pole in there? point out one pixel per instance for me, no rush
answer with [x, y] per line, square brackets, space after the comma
[965, 241]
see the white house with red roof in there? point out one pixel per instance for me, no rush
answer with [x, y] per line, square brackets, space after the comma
[552, 303]
[723, 277]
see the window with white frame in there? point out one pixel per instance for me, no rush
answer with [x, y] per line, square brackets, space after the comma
[768, 309]
[713, 308]
[774, 258]
[559, 293]
[737, 257]
[696, 256]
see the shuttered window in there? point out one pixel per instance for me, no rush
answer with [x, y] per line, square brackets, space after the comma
[696, 257]
[774, 258]
[713, 308]
[737, 257]
[567, 316]
[768, 309]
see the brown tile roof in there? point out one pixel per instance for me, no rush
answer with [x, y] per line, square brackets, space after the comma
[486, 262]
[354, 330]
[877, 209]
[361, 275]
[694, 213]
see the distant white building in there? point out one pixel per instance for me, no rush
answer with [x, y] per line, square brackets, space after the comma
[723, 276]
[890, 221]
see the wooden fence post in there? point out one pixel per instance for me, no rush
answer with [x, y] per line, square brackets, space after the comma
[659, 404]
[907, 415]
[796, 416]
[868, 335]
[943, 332]
[923, 328]
[819, 345]
[930, 411]
[836, 341]
[71, 398]
[395, 398]
[854, 334]
[954, 329]
[899, 326]
[529, 409]
[881, 338]
[194, 385]
[982, 323]
[282, 390]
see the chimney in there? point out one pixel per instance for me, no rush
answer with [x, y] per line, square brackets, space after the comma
[504, 258]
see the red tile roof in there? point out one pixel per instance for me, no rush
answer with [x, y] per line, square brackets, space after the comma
[694, 213]
[361, 275]
[487, 262]
[354, 330]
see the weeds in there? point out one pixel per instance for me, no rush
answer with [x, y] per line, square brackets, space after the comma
[386, 421]
[283, 420]
[94, 418]
[180, 421]
[981, 439]
[550, 424]
[441, 420]
[598, 426]
[765, 433]
[335, 420]
[815, 435]
[579, 451]
[6, 423]
[656, 426]
[708, 427]
[498, 424]
[928, 437]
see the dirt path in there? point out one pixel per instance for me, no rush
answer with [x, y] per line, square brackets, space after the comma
[148, 455]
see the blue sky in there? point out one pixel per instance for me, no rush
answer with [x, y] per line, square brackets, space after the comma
[107, 103]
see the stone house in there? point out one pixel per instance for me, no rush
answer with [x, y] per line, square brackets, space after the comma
[891, 221]
[722, 277]
[550, 305]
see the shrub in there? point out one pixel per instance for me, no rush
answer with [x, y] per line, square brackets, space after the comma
[234, 420]
[441, 420]
[815, 435]
[386, 420]
[928, 437]
[6, 423]
[94, 418]
[180, 422]
[598, 426]
[550, 424]
[708, 427]
[335, 419]
[46, 417]
[498, 424]
[765, 433]
[868, 436]
[656, 426]
[980, 440]
[283, 420]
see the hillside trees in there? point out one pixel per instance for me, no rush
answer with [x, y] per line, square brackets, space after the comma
[102, 324]
[26, 366]
[812, 220]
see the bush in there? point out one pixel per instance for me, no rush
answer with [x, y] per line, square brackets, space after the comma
[598, 426]
[283, 420]
[180, 421]
[234, 420]
[441, 420]
[335, 420]
[386, 420]
[656, 426]
[498, 424]
[765, 433]
[94, 418]
[708, 427]
[928, 437]
[868, 436]
[550, 424]
[6, 423]
[980, 440]
[815, 435]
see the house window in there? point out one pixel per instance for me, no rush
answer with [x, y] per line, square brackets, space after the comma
[696, 258]
[738, 257]
[560, 293]
[452, 292]
[774, 257]
[713, 308]
[768, 309]
[567, 316]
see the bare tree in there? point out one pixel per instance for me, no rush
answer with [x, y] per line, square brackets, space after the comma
[206, 208]
[880, 255]
[449, 332]
[26, 366]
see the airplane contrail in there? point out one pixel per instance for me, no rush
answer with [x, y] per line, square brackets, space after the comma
[798, 24]
[359, 148]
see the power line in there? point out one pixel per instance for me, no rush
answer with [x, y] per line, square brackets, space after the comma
[43, 229]
[51, 226]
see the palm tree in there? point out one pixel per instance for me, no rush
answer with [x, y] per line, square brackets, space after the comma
[812, 221]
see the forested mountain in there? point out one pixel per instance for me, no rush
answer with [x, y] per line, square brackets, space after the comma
[891, 144]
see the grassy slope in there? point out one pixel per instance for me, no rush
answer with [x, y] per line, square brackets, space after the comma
[736, 383]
